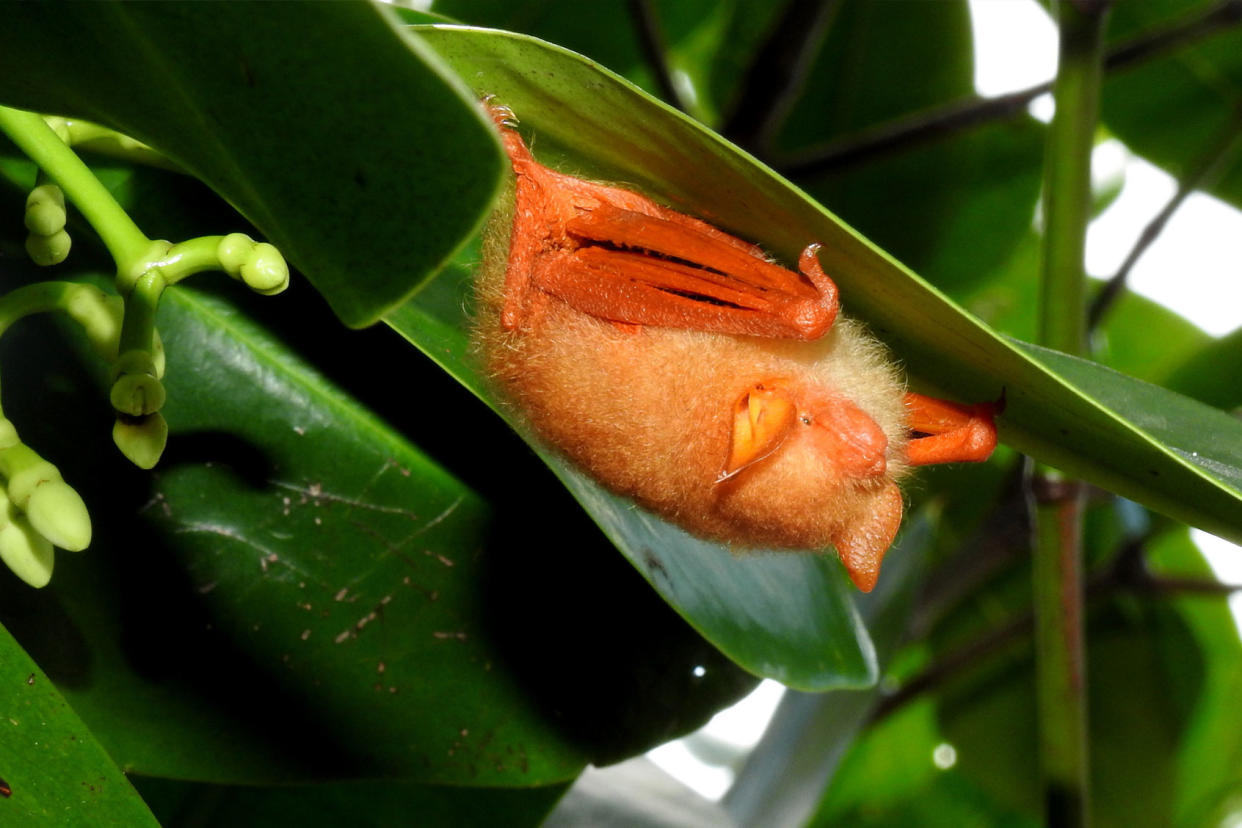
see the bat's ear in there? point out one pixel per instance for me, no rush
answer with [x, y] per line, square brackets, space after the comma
[863, 542]
[762, 418]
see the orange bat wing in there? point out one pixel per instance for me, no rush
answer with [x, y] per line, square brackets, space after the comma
[618, 255]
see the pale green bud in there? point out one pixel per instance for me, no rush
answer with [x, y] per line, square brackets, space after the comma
[258, 264]
[45, 210]
[26, 552]
[57, 512]
[141, 439]
[136, 390]
[32, 471]
[138, 394]
[46, 251]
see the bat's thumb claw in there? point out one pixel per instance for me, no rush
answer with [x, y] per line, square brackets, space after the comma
[501, 115]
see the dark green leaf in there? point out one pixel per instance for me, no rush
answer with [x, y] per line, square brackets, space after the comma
[300, 594]
[258, 101]
[1205, 685]
[1200, 447]
[950, 207]
[612, 129]
[52, 771]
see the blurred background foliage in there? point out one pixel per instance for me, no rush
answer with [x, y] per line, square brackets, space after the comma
[349, 592]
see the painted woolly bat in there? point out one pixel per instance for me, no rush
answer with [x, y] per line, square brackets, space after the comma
[680, 367]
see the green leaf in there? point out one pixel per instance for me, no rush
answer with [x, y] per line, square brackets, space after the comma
[613, 135]
[1172, 453]
[258, 101]
[1008, 300]
[787, 617]
[53, 770]
[1124, 341]
[300, 594]
[951, 210]
[707, 44]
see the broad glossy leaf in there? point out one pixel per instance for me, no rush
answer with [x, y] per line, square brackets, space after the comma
[588, 121]
[300, 594]
[1125, 342]
[337, 134]
[787, 617]
[53, 770]
[1008, 300]
[1200, 445]
[707, 44]
[1209, 755]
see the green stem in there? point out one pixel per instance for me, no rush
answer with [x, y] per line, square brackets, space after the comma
[1060, 650]
[39, 297]
[96, 138]
[34, 137]
[189, 257]
[85, 304]
[1058, 580]
[1067, 181]
[138, 328]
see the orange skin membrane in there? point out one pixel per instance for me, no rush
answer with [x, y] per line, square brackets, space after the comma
[681, 368]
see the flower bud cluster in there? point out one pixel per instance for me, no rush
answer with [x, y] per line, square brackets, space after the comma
[38, 511]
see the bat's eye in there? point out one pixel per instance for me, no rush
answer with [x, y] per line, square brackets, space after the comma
[806, 419]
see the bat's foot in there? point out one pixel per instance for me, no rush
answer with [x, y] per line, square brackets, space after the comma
[953, 433]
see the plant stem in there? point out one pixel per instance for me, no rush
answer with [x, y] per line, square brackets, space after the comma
[1060, 651]
[1058, 581]
[34, 137]
[100, 139]
[138, 327]
[1067, 183]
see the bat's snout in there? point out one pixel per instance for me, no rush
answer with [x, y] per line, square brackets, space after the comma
[850, 437]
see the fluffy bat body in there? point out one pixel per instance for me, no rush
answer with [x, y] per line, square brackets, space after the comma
[682, 369]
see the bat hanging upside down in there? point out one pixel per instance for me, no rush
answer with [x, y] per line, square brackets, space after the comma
[681, 368]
